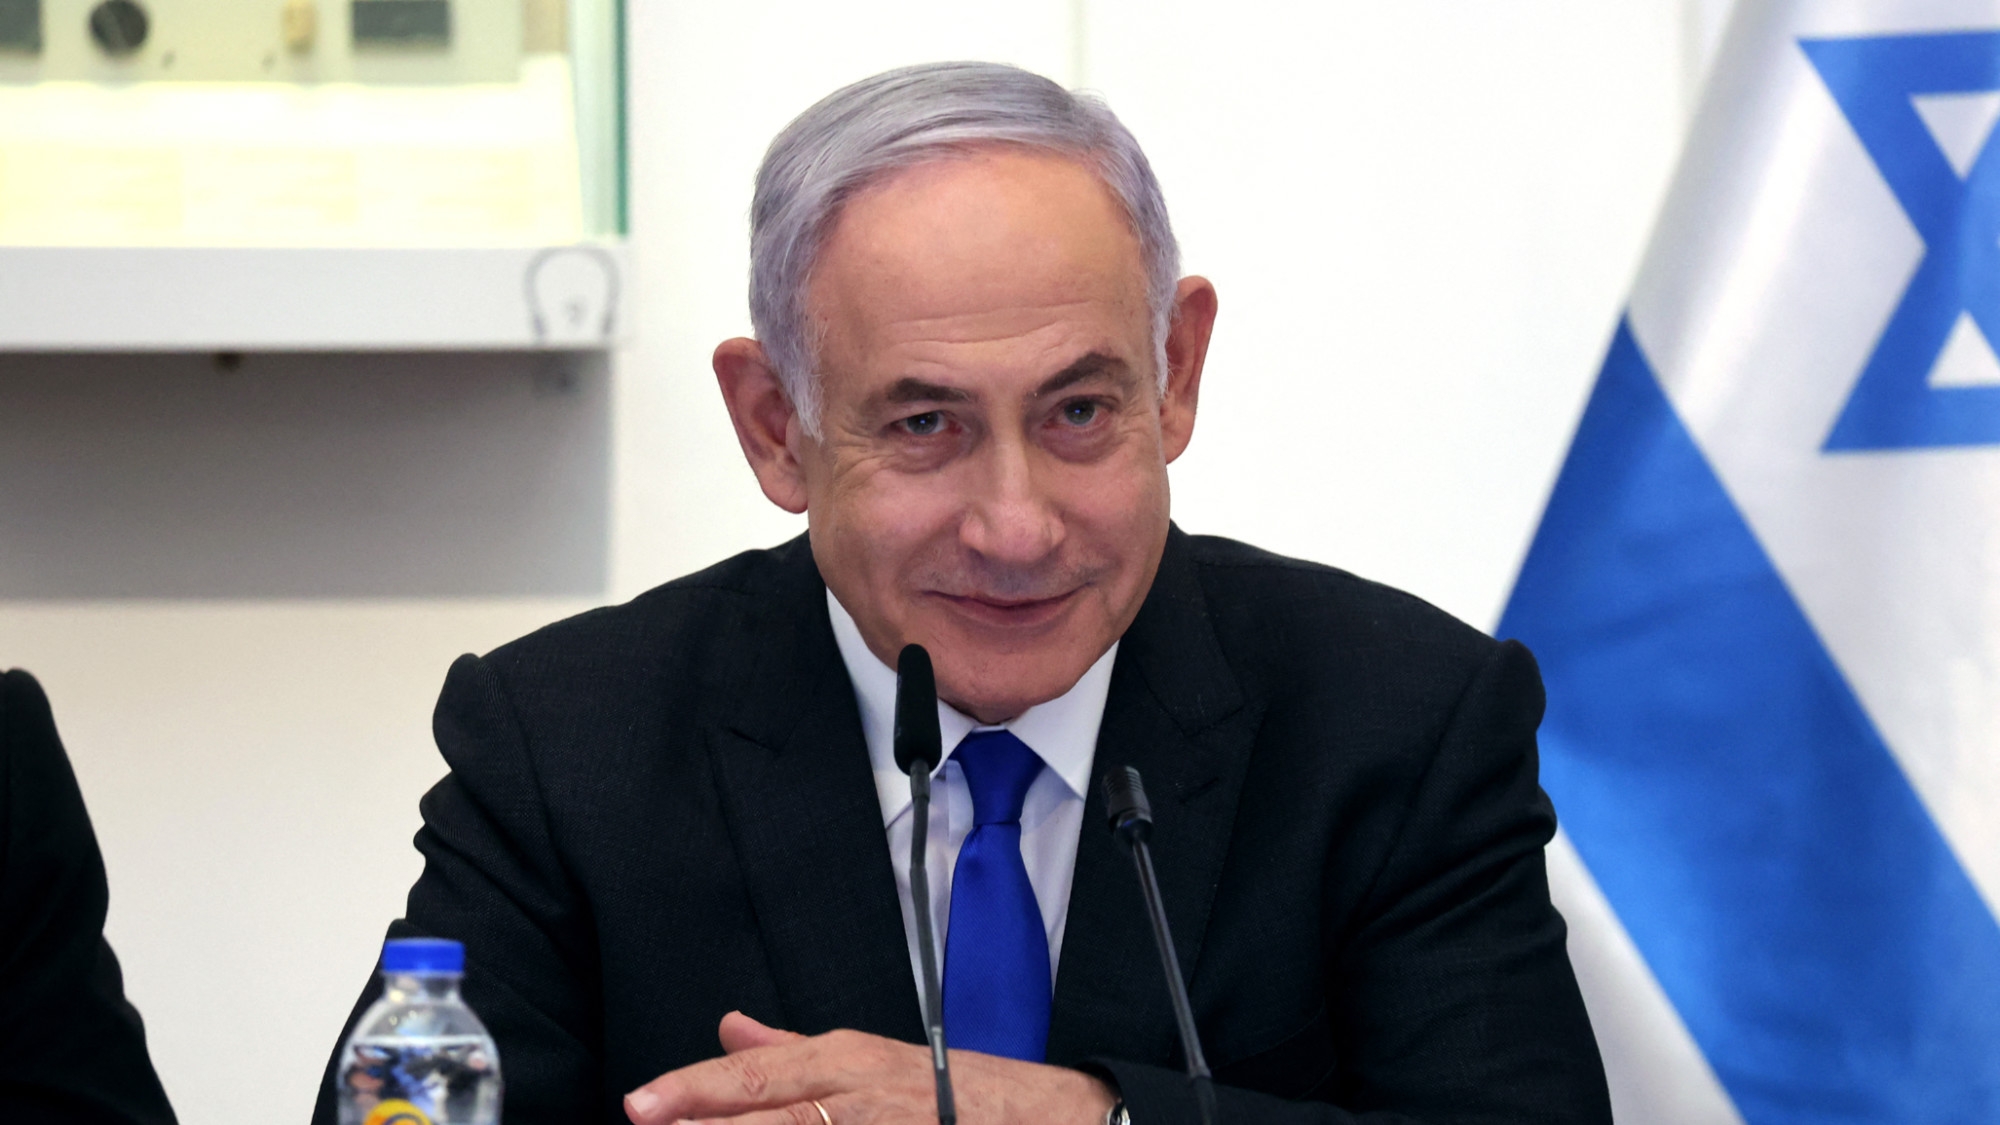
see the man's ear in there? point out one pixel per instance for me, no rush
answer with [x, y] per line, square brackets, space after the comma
[767, 424]
[1187, 349]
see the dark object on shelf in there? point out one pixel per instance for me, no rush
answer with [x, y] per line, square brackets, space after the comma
[21, 26]
[119, 26]
[402, 23]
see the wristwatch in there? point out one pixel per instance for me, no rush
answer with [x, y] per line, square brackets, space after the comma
[1116, 1115]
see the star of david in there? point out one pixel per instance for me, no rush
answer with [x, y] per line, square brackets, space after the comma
[1875, 81]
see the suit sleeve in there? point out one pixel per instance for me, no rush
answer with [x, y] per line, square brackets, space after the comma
[1451, 990]
[72, 1049]
[493, 879]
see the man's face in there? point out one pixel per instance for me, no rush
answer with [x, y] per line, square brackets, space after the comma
[991, 478]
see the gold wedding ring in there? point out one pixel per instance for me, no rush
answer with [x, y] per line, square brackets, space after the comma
[824, 1116]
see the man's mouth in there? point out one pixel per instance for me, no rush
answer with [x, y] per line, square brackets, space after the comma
[1009, 611]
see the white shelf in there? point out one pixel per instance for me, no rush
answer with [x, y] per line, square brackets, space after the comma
[310, 299]
[238, 216]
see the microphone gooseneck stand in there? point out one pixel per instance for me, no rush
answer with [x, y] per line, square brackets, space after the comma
[1131, 817]
[919, 748]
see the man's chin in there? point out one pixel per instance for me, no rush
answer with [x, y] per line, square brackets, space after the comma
[993, 700]
[996, 683]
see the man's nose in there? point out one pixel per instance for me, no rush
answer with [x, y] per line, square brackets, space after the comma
[1012, 518]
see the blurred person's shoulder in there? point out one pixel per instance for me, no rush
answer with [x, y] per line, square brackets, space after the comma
[22, 704]
[31, 753]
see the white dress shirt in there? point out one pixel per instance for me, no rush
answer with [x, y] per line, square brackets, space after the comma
[1063, 732]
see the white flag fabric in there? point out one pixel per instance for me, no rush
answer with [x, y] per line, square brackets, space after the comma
[1766, 589]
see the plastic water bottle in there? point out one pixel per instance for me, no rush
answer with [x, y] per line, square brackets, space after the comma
[419, 1056]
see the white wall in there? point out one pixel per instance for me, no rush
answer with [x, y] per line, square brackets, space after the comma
[242, 588]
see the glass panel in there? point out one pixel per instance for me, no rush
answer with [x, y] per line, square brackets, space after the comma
[310, 122]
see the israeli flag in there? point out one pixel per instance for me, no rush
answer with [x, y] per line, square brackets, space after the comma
[1766, 589]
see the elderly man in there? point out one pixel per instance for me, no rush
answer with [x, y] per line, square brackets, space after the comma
[674, 830]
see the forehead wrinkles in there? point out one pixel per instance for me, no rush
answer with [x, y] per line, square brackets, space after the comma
[1001, 299]
[944, 341]
[976, 237]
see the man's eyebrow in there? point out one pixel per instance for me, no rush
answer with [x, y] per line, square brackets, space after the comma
[911, 389]
[1089, 366]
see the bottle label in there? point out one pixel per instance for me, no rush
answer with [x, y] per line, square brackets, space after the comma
[396, 1111]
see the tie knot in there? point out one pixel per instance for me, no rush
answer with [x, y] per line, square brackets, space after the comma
[998, 770]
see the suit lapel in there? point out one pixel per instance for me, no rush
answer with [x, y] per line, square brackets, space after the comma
[1176, 714]
[796, 789]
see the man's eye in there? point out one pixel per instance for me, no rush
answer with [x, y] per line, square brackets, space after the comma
[925, 424]
[1080, 413]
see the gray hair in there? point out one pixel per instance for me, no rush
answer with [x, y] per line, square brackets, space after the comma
[900, 118]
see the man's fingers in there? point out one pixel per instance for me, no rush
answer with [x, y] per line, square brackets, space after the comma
[753, 1079]
[741, 1033]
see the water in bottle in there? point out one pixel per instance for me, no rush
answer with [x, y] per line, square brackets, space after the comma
[419, 1056]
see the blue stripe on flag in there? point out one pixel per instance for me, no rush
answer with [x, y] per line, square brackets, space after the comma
[1736, 805]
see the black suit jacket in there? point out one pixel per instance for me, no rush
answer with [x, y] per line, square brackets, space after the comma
[662, 811]
[72, 1050]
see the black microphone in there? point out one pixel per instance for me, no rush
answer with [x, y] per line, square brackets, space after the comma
[1131, 819]
[919, 748]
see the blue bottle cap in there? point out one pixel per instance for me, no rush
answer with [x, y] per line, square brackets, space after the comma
[423, 955]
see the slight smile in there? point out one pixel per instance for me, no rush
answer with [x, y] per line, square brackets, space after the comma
[1010, 612]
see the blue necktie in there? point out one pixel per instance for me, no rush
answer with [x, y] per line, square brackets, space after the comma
[996, 956]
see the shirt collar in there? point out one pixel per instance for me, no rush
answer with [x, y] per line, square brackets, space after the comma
[1063, 731]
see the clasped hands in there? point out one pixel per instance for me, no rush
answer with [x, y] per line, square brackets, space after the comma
[772, 1077]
